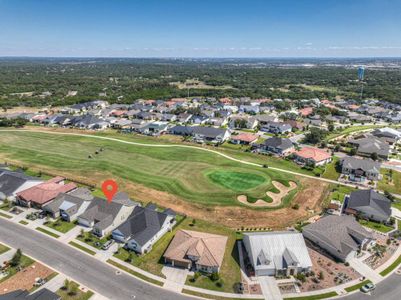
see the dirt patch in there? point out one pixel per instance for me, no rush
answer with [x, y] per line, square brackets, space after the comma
[25, 279]
[276, 197]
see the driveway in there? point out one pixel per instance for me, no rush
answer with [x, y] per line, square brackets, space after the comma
[364, 269]
[175, 278]
[269, 288]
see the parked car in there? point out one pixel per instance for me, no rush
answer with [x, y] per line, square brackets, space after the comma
[39, 281]
[108, 244]
[368, 287]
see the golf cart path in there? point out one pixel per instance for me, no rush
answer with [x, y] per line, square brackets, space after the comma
[179, 146]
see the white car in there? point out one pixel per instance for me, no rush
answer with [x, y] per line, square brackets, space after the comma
[368, 287]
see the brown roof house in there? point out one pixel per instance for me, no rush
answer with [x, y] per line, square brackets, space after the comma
[196, 250]
[45, 192]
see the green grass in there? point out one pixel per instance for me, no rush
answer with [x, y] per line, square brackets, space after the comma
[331, 170]
[357, 286]
[47, 232]
[376, 226]
[236, 181]
[25, 262]
[23, 222]
[391, 268]
[65, 295]
[153, 261]
[79, 246]
[5, 215]
[3, 248]
[390, 182]
[396, 204]
[61, 225]
[92, 240]
[351, 129]
[176, 170]
[314, 297]
[136, 274]
[338, 192]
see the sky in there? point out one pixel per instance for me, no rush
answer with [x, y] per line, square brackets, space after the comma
[200, 28]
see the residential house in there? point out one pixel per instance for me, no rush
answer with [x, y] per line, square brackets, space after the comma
[250, 109]
[154, 128]
[41, 294]
[368, 145]
[41, 194]
[243, 121]
[340, 236]
[277, 127]
[143, 228]
[210, 135]
[244, 139]
[277, 145]
[184, 118]
[69, 206]
[280, 253]
[103, 216]
[391, 135]
[196, 250]
[360, 169]
[369, 204]
[312, 156]
[11, 183]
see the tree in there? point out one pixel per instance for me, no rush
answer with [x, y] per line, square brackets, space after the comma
[215, 276]
[66, 285]
[16, 259]
[352, 152]
[331, 127]
[315, 136]
[374, 156]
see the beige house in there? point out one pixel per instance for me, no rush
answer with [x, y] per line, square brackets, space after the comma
[196, 250]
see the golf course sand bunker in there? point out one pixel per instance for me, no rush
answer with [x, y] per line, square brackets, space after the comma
[276, 197]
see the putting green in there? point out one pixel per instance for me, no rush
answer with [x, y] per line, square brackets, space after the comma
[236, 181]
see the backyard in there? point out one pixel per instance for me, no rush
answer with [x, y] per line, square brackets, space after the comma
[391, 181]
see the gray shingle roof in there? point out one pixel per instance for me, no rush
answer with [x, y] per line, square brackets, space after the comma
[142, 224]
[370, 202]
[279, 143]
[366, 165]
[11, 181]
[338, 232]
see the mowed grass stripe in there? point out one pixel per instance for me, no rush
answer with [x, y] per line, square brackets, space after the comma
[183, 175]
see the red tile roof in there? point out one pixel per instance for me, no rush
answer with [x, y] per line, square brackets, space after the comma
[245, 137]
[306, 111]
[313, 153]
[46, 191]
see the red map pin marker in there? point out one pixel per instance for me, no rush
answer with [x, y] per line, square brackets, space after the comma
[109, 188]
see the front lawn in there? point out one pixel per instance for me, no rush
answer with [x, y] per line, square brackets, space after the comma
[73, 292]
[93, 240]
[61, 225]
[24, 262]
[376, 226]
[79, 246]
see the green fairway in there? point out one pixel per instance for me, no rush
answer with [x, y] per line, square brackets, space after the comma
[236, 181]
[193, 175]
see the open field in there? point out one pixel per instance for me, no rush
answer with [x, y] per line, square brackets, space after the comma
[170, 176]
[391, 181]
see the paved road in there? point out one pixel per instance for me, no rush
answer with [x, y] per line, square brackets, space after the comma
[89, 271]
[389, 289]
